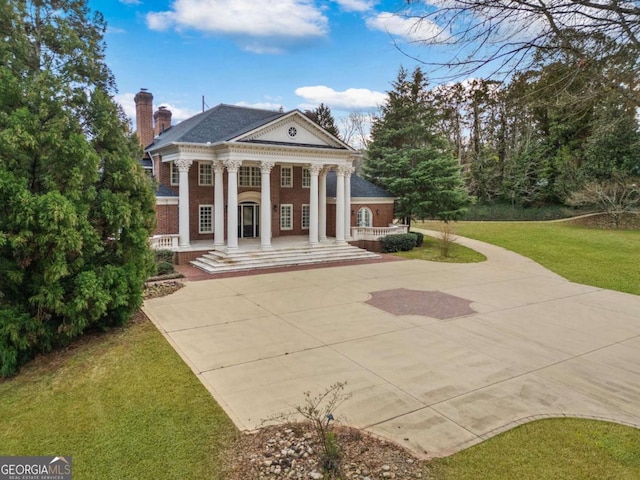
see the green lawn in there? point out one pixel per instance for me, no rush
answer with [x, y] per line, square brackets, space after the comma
[124, 405]
[430, 251]
[602, 258]
[554, 449]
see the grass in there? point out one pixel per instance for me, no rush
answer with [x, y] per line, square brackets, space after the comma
[122, 404]
[430, 251]
[602, 258]
[558, 449]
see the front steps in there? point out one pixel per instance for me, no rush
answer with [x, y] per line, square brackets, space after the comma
[222, 262]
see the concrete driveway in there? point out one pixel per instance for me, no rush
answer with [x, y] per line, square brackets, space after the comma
[537, 346]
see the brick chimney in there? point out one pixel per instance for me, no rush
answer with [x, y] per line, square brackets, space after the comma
[162, 120]
[144, 120]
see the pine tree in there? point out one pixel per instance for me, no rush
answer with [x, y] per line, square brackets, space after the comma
[75, 207]
[323, 117]
[408, 157]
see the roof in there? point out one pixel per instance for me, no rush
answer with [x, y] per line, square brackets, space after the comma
[164, 191]
[218, 124]
[360, 188]
[146, 162]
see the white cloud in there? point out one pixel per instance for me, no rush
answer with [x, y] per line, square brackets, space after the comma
[131, 2]
[126, 100]
[178, 114]
[111, 29]
[355, 5]
[262, 105]
[408, 28]
[127, 103]
[350, 99]
[265, 27]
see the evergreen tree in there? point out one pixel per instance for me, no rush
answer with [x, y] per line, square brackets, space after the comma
[75, 207]
[408, 157]
[323, 117]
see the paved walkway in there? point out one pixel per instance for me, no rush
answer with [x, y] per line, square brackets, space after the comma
[535, 345]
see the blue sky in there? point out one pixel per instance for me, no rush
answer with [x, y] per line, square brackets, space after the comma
[263, 53]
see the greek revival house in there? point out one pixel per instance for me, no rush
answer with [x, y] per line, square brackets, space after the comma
[234, 178]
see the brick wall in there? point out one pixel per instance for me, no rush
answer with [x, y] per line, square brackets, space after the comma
[167, 219]
[296, 196]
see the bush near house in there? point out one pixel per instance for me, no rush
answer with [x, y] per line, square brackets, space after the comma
[419, 238]
[398, 243]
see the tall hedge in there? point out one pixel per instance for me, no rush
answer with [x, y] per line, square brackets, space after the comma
[76, 210]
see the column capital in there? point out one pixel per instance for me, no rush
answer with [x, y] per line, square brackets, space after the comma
[233, 165]
[315, 169]
[218, 166]
[346, 170]
[265, 167]
[183, 164]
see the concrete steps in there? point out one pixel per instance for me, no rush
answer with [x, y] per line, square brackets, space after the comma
[221, 262]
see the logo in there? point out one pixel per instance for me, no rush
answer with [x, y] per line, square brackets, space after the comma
[35, 468]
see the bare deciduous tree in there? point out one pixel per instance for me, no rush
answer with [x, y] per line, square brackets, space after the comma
[505, 34]
[616, 197]
[355, 129]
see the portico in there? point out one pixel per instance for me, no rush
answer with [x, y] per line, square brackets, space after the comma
[233, 175]
[228, 203]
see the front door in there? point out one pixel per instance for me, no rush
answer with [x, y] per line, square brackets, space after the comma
[249, 223]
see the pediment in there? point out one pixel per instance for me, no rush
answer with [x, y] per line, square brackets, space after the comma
[294, 129]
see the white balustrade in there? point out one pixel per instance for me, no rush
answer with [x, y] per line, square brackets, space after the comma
[375, 233]
[164, 242]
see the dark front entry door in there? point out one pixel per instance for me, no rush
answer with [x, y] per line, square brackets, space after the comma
[249, 223]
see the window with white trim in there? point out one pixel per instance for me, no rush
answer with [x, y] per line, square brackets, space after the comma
[175, 174]
[286, 217]
[249, 177]
[205, 174]
[205, 219]
[306, 178]
[306, 217]
[286, 177]
[364, 217]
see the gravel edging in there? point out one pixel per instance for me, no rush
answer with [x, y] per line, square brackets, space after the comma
[292, 451]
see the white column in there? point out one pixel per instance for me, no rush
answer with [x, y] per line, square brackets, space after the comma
[232, 203]
[218, 201]
[322, 214]
[314, 170]
[340, 205]
[183, 206]
[265, 205]
[347, 202]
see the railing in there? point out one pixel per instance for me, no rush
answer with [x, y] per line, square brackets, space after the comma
[374, 233]
[164, 242]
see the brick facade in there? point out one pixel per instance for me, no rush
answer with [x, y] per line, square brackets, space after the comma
[332, 153]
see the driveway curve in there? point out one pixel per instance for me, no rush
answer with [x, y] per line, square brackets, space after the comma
[532, 345]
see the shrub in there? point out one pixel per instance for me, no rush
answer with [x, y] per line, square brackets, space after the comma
[398, 243]
[419, 238]
[164, 256]
[445, 239]
[164, 268]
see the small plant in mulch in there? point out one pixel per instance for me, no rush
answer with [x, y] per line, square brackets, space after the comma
[318, 411]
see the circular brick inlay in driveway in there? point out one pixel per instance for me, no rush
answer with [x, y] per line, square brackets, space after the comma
[401, 301]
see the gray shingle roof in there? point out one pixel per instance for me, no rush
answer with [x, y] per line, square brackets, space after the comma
[217, 124]
[164, 191]
[359, 187]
